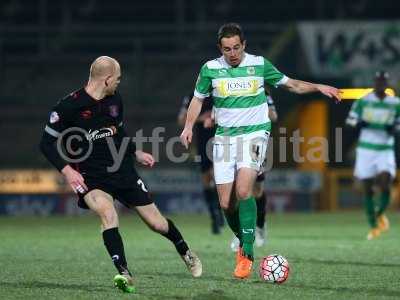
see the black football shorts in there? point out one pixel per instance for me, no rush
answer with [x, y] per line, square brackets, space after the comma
[127, 188]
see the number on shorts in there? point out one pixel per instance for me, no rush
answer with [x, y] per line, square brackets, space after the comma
[142, 186]
[255, 152]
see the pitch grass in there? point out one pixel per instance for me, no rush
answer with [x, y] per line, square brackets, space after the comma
[64, 258]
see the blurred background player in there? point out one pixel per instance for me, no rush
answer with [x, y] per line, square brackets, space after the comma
[204, 134]
[259, 192]
[377, 115]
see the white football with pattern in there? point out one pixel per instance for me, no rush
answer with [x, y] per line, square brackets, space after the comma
[274, 268]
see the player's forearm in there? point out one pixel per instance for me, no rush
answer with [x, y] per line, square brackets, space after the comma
[272, 114]
[193, 112]
[301, 87]
[49, 150]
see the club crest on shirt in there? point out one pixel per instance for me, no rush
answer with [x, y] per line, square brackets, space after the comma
[251, 70]
[114, 112]
[54, 117]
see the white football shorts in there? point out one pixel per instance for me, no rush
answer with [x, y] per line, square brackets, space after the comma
[232, 153]
[370, 163]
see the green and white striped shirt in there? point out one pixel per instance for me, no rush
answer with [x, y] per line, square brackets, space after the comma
[378, 114]
[238, 92]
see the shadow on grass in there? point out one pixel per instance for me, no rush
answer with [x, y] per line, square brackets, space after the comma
[187, 276]
[55, 286]
[210, 295]
[345, 263]
[356, 291]
[213, 295]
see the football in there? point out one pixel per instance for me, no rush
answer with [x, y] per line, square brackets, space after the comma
[274, 268]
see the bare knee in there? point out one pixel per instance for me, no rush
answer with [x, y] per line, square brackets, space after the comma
[225, 205]
[109, 218]
[243, 192]
[225, 201]
[102, 204]
[225, 196]
[159, 225]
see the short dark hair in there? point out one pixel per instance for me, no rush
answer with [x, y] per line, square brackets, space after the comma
[229, 30]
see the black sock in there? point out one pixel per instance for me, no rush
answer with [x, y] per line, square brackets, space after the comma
[115, 247]
[261, 210]
[176, 238]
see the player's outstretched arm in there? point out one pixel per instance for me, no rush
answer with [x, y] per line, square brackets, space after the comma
[191, 117]
[304, 87]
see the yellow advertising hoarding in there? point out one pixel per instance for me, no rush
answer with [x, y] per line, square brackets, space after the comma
[353, 94]
[31, 182]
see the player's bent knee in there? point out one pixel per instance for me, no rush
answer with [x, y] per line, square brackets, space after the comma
[109, 218]
[243, 193]
[225, 205]
[225, 202]
[159, 226]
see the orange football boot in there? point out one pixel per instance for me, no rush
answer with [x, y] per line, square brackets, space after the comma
[373, 233]
[239, 255]
[243, 268]
[383, 223]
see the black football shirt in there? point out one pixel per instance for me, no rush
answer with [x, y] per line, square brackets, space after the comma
[90, 133]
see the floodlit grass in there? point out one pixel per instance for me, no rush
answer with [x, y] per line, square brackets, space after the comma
[64, 258]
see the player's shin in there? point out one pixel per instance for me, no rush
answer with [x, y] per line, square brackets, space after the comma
[370, 210]
[190, 259]
[384, 202]
[176, 238]
[115, 247]
[247, 216]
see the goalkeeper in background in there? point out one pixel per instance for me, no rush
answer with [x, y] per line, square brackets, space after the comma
[377, 115]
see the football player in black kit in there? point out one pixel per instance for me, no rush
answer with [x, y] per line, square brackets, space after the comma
[204, 133]
[90, 121]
